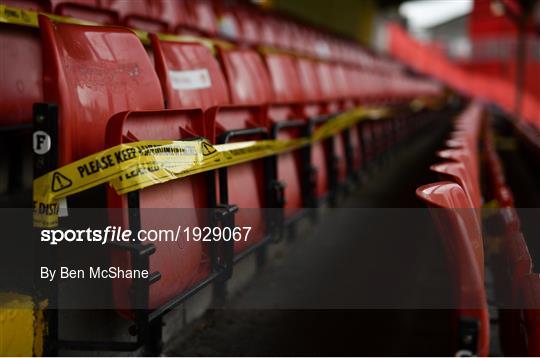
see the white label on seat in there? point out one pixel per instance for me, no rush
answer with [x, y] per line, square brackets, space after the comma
[190, 80]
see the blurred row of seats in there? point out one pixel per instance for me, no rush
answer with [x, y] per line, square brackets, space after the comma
[517, 286]
[22, 77]
[455, 204]
[240, 23]
[110, 89]
[109, 92]
[468, 224]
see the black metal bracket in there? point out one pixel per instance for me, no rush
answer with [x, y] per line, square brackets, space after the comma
[45, 159]
[149, 332]
[469, 329]
[224, 263]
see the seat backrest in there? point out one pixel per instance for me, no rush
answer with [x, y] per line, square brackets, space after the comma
[204, 16]
[267, 30]
[287, 93]
[21, 74]
[139, 14]
[89, 3]
[89, 10]
[174, 12]
[228, 22]
[163, 206]
[190, 75]
[246, 76]
[462, 155]
[250, 90]
[249, 26]
[327, 79]
[309, 80]
[284, 77]
[462, 240]
[341, 80]
[462, 220]
[458, 173]
[128, 127]
[35, 5]
[93, 73]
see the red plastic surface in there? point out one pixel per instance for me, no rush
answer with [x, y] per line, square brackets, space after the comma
[458, 172]
[205, 19]
[94, 73]
[184, 263]
[462, 240]
[35, 5]
[247, 77]
[287, 95]
[250, 90]
[86, 10]
[175, 57]
[21, 74]
[248, 25]
[309, 81]
[461, 155]
[139, 14]
[245, 181]
[284, 77]
[532, 314]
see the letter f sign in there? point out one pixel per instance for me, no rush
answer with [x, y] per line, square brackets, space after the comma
[41, 142]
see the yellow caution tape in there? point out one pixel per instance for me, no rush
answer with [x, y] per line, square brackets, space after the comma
[134, 166]
[17, 16]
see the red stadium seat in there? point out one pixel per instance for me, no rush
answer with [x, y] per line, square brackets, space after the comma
[126, 81]
[330, 91]
[246, 118]
[34, 5]
[458, 173]
[249, 30]
[89, 10]
[321, 157]
[335, 92]
[311, 89]
[239, 117]
[204, 16]
[268, 31]
[462, 240]
[286, 122]
[532, 314]
[343, 85]
[182, 264]
[103, 82]
[461, 155]
[190, 75]
[511, 269]
[20, 88]
[177, 15]
[348, 144]
[139, 14]
[228, 22]
[21, 74]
